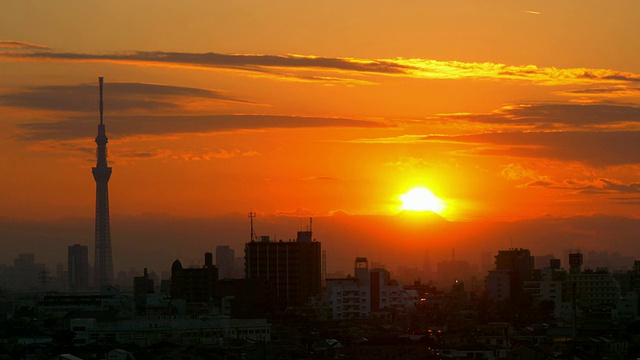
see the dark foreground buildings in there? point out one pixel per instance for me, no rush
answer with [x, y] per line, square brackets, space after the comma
[197, 287]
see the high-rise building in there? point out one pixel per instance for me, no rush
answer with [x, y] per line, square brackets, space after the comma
[225, 262]
[103, 264]
[293, 269]
[575, 263]
[519, 261]
[78, 266]
[518, 264]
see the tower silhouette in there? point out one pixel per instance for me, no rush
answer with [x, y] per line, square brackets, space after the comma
[103, 264]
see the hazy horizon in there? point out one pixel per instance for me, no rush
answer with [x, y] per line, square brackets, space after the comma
[154, 241]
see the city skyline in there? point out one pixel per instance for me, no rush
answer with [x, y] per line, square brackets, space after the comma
[523, 119]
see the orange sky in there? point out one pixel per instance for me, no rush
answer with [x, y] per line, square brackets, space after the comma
[505, 110]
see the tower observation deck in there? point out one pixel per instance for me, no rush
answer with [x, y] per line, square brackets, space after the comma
[103, 263]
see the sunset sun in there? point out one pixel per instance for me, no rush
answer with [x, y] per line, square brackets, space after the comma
[421, 199]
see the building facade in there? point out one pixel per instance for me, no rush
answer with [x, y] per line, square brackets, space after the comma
[368, 291]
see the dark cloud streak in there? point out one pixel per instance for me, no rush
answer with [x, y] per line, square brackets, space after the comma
[232, 61]
[23, 45]
[548, 115]
[598, 186]
[121, 97]
[128, 126]
[593, 148]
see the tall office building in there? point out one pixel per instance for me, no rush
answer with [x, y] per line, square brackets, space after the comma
[103, 264]
[291, 269]
[78, 267]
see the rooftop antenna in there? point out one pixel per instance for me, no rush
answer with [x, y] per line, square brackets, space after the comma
[311, 227]
[253, 234]
[101, 105]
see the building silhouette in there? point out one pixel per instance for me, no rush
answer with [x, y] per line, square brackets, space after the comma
[225, 262]
[513, 268]
[291, 269]
[142, 286]
[103, 264]
[78, 267]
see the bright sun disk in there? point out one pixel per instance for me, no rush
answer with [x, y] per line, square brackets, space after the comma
[421, 199]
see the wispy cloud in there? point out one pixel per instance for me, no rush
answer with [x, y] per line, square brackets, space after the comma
[402, 139]
[341, 68]
[515, 171]
[128, 126]
[212, 155]
[408, 163]
[320, 178]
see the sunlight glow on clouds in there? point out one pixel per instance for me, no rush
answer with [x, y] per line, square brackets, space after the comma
[343, 67]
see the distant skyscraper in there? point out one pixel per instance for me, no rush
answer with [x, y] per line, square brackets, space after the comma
[27, 275]
[103, 264]
[225, 261]
[78, 267]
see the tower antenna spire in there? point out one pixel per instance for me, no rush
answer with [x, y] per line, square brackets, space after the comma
[101, 105]
[253, 234]
[103, 264]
